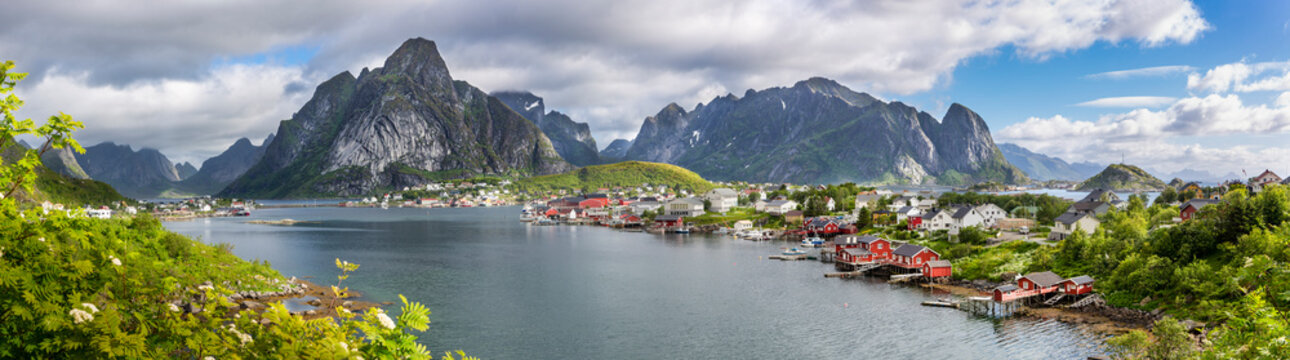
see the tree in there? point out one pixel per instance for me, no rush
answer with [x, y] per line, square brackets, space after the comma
[1168, 196]
[864, 219]
[56, 131]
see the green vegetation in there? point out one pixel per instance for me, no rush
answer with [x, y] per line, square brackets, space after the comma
[76, 287]
[1049, 207]
[624, 174]
[73, 192]
[729, 218]
[1122, 177]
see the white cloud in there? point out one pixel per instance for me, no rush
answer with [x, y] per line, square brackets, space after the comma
[1242, 77]
[1143, 72]
[607, 62]
[1150, 137]
[189, 119]
[1129, 101]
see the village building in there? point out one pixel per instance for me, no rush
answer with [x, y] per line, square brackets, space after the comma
[1189, 209]
[742, 225]
[912, 256]
[902, 201]
[780, 207]
[937, 219]
[1194, 187]
[1267, 177]
[794, 217]
[905, 213]
[669, 221]
[966, 216]
[1043, 282]
[852, 249]
[991, 214]
[867, 199]
[100, 213]
[1082, 284]
[937, 269]
[722, 199]
[822, 225]
[685, 207]
[1067, 223]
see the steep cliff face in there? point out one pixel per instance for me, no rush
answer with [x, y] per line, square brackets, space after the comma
[819, 131]
[403, 124]
[572, 140]
[185, 170]
[217, 172]
[138, 174]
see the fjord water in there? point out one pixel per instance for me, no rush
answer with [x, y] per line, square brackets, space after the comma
[501, 289]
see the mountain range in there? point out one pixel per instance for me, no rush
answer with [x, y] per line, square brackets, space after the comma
[147, 173]
[572, 140]
[1042, 167]
[403, 124]
[818, 131]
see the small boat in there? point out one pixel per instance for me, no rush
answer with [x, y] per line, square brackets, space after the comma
[681, 231]
[811, 242]
[794, 251]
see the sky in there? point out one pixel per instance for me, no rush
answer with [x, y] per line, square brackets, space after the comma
[1165, 84]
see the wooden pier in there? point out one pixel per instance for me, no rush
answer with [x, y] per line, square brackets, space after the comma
[789, 257]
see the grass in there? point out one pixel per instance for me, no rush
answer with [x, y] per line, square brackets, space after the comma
[729, 218]
[624, 174]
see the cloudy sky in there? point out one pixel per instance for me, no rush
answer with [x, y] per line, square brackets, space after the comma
[1169, 84]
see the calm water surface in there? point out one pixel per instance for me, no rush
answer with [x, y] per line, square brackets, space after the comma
[500, 289]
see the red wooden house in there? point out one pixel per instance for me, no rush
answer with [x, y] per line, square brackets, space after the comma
[937, 269]
[913, 222]
[853, 249]
[1039, 282]
[912, 256]
[670, 221]
[822, 225]
[1082, 284]
[1191, 207]
[594, 203]
[1004, 293]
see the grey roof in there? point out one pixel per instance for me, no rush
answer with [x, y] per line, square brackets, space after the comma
[909, 250]
[857, 251]
[1184, 186]
[778, 203]
[939, 263]
[1069, 218]
[905, 210]
[1044, 279]
[931, 214]
[597, 196]
[648, 199]
[1087, 205]
[1199, 203]
[724, 192]
[667, 217]
[1007, 288]
[689, 200]
[961, 211]
[1096, 195]
[820, 222]
[1081, 280]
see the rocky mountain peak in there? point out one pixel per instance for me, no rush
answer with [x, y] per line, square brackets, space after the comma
[419, 60]
[825, 86]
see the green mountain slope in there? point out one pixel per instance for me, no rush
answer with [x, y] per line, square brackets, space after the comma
[1122, 177]
[624, 174]
[58, 188]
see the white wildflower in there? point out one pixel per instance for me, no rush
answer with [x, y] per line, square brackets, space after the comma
[205, 287]
[244, 338]
[115, 261]
[93, 309]
[174, 307]
[209, 358]
[358, 357]
[344, 346]
[80, 316]
[385, 320]
[1, 251]
[41, 239]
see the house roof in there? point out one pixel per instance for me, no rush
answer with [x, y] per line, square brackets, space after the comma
[597, 196]
[961, 211]
[793, 213]
[1081, 280]
[868, 239]
[691, 201]
[905, 210]
[939, 263]
[1044, 279]
[723, 192]
[778, 203]
[821, 222]
[1187, 185]
[1007, 288]
[1069, 218]
[909, 250]
[857, 251]
[1199, 203]
[932, 214]
[1083, 205]
[668, 218]
[1096, 195]
[647, 199]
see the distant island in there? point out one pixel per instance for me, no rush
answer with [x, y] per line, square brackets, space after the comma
[1122, 177]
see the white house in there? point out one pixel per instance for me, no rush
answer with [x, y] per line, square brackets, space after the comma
[722, 199]
[1068, 222]
[742, 225]
[99, 213]
[966, 216]
[867, 199]
[926, 204]
[685, 207]
[907, 212]
[992, 214]
[937, 219]
[901, 202]
[780, 207]
[760, 205]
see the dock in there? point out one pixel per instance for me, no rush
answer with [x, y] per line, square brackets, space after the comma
[903, 277]
[789, 257]
[941, 303]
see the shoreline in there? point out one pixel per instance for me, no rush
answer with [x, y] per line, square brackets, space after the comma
[1097, 319]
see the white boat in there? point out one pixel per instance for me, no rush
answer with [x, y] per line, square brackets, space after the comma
[794, 251]
[813, 241]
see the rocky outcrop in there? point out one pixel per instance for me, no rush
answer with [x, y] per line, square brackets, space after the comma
[1122, 177]
[572, 140]
[819, 131]
[406, 123]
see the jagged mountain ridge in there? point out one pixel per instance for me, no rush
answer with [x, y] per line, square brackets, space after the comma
[616, 149]
[572, 140]
[217, 172]
[403, 124]
[818, 131]
[1042, 167]
[141, 174]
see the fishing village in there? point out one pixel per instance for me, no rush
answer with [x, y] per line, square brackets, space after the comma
[893, 236]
